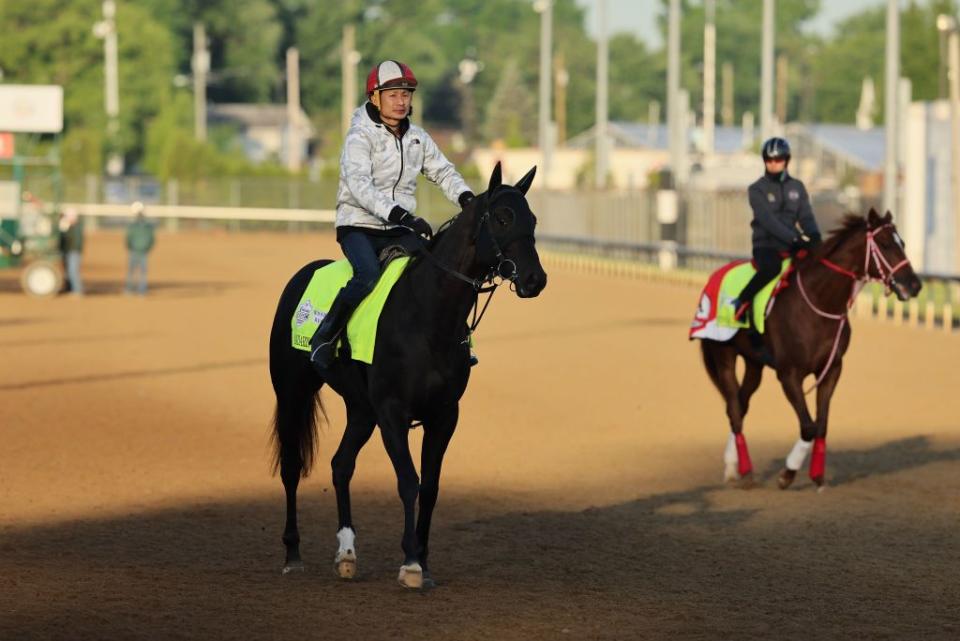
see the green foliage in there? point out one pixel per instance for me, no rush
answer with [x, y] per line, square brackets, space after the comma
[859, 51]
[51, 41]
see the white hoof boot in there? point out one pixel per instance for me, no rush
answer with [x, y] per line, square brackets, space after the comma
[411, 576]
[345, 563]
[731, 473]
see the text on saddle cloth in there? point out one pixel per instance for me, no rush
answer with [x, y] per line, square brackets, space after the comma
[362, 327]
[714, 316]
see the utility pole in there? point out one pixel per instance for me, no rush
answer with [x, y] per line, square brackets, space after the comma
[674, 117]
[727, 112]
[892, 84]
[294, 127]
[603, 58]
[766, 71]
[561, 80]
[106, 29]
[349, 57]
[782, 89]
[545, 9]
[201, 65]
[709, 76]
[948, 28]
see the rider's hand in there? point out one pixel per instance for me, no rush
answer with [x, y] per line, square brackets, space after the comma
[400, 216]
[464, 198]
[418, 225]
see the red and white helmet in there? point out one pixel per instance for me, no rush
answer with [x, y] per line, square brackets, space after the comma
[391, 74]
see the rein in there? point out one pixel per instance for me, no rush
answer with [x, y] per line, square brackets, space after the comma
[880, 262]
[493, 278]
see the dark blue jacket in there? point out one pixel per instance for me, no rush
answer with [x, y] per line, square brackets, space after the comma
[779, 206]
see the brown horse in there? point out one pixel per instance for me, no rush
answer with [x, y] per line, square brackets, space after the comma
[807, 333]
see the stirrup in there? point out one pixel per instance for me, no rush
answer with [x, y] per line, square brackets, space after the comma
[322, 356]
[473, 358]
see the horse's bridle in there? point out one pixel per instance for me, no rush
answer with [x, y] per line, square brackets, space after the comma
[880, 263]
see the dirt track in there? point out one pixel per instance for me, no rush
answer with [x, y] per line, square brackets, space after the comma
[581, 496]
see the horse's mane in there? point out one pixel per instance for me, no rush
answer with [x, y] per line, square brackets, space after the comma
[850, 225]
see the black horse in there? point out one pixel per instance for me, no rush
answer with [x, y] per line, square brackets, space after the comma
[420, 368]
[808, 334]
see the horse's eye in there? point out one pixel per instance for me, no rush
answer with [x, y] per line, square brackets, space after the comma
[503, 216]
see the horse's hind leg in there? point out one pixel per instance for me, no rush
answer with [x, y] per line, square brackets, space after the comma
[720, 360]
[361, 421]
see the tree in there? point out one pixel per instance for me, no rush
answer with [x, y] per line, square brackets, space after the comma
[859, 50]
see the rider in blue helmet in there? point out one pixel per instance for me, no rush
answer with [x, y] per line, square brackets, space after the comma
[782, 221]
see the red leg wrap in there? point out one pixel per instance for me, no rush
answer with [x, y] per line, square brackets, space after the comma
[744, 466]
[818, 462]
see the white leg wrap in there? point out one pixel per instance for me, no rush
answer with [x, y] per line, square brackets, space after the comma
[730, 454]
[730, 459]
[347, 537]
[798, 454]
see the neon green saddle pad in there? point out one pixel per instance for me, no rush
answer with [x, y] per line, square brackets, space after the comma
[733, 283]
[362, 327]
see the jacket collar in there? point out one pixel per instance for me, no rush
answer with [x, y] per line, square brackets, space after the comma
[374, 114]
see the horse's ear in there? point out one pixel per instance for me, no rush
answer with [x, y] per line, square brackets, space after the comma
[888, 218]
[873, 218]
[496, 178]
[524, 183]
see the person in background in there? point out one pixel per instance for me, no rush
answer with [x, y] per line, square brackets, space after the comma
[140, 240]
[71, 242]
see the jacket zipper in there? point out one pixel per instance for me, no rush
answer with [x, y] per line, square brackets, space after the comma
[399, 142]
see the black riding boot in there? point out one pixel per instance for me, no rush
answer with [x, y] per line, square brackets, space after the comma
[324, 341]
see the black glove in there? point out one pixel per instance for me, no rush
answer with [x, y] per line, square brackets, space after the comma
[401, 216]
[464, 198]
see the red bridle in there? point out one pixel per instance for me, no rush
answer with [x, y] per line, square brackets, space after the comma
[880, 264]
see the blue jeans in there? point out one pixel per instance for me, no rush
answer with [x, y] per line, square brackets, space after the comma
[363, 251]
[73, 272]
[137, 263]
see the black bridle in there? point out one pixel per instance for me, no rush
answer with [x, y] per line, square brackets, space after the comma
[487, 244]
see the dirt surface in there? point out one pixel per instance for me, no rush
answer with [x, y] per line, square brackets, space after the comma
[582, 496]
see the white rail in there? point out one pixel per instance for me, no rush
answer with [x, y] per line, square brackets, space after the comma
[121, 210]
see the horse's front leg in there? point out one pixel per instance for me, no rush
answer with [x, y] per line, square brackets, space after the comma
[437, 432]
[395, 428]
[792, 382]
[361, 420]
[818, 463]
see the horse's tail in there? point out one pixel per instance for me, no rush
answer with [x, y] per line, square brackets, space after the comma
[294, 427]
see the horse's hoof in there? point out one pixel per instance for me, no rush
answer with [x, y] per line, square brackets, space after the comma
[785, 478]
[746, 481]
[346, 566]
[411, 576]
[292, 566]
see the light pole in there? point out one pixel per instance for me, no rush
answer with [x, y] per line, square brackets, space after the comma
[948, 25]
[545, 9]
[766, 71]
[603, 57]
[349, 58]
[106, 30]
[674, 133]
[709, 76]
[200, 64]
[891, 88]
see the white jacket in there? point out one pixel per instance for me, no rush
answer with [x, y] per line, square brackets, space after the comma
[378, 171]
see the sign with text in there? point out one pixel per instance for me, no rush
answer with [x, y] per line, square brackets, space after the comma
[31, 108]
